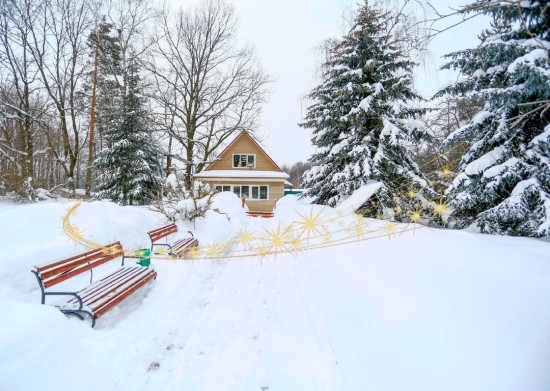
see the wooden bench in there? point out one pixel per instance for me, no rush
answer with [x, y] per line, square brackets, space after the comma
[179, 247]
[98, 297]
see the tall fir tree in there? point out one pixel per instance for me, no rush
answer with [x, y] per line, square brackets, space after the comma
[103, 89]
[363, 119]
[105, 50]
[504, 180]
[129, 168]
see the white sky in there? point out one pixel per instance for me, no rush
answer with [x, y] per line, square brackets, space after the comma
[286, 35]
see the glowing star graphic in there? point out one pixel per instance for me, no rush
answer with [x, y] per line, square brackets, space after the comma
[441, 208]
[277, 239]
[358, 229]
[390, 228]
[262, 252]
[295, 242]
[411, 194]
[245, 238]
[359, 216]
[446, 172]
[292, 238]
[192, 252]
[310, 224]
[111, 250]
[415, 216]
[214, 250]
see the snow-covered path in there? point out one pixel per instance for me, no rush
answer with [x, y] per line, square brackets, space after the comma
[323, 321]
[228, 325]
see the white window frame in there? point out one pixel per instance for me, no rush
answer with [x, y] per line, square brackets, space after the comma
[250, 192]
[222, 186]
[259, 192]
[243, 154]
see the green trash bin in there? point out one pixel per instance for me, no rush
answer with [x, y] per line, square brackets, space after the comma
[144, 255]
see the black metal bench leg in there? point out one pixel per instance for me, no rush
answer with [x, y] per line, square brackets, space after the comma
[79, 316]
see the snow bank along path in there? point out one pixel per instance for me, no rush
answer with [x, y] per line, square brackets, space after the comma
[425, 310]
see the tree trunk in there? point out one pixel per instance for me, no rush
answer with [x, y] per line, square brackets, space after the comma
[89, 167]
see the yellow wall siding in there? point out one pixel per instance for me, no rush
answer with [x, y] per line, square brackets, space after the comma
[243, 145]
[276, 191]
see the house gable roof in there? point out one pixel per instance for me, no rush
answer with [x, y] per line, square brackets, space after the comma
[244, 143]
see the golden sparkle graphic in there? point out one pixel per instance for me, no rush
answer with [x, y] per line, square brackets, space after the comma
[214, 250]
[262, 252]
[390, 228]
[245, 238]
[441, 208]
[308, 232]
[193, 252]
[357, 230]
[310, 224]
[276, 239]
[296, 242]
[415, 216]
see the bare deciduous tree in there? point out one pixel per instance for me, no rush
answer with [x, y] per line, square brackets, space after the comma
[58, 45]
[296, 171]
[131, 18]
[16, 92]
[206, 87]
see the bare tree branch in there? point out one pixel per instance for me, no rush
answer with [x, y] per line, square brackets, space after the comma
[210, 87]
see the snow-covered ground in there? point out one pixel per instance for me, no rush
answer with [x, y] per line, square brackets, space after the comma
[424, 310]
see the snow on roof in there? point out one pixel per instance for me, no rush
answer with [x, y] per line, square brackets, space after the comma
[242, 174]
[359, 197]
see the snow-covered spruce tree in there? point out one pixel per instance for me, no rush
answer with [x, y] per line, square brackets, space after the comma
[363, 118]
[129, 168]
[504, 180]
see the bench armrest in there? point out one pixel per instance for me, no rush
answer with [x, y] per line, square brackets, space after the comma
[161, 244]
[80, 304]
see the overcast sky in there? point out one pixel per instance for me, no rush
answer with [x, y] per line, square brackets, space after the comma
[286, 35]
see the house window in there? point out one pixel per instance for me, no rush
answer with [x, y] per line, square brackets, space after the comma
[259, 193]
[251, 192]
[220, 188]
[244, 161]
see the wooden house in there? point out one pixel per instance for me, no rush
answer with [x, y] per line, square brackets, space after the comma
[245, 168]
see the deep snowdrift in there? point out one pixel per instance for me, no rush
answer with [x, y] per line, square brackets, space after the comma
[424, 310]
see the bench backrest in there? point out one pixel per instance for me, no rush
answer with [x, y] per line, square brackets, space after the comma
[160, 233]
[59, 271]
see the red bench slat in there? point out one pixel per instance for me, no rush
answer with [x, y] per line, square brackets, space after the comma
[88, 254]
[182, 246]
[64, 270]
[160, 233]
[134, 287]
[101, 287]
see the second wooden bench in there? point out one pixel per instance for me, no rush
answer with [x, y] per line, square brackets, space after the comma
[179, 247]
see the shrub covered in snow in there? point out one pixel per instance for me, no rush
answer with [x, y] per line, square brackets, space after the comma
[179, 203]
